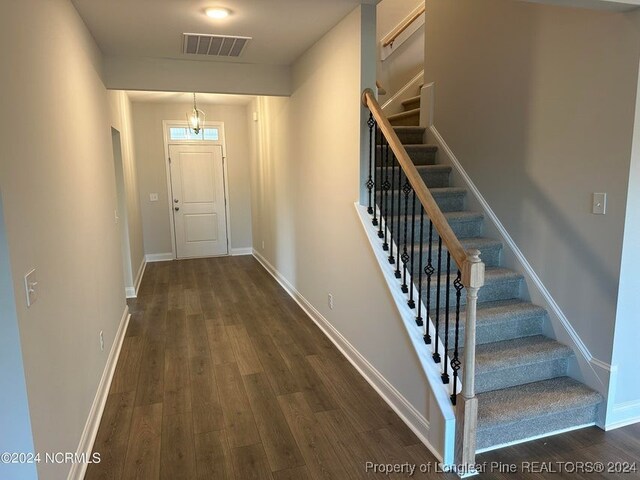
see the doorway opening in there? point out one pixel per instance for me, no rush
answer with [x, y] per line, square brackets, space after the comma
[121, 216]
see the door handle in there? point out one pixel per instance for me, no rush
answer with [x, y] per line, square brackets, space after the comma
[177, 208]
[175, 200]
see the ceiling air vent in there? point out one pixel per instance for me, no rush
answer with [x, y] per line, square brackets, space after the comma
[214, 45]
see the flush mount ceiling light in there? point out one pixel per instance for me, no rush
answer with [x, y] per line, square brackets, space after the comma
[196, 118]
[217, 13]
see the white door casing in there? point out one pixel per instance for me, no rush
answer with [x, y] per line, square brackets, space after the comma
[198, 200]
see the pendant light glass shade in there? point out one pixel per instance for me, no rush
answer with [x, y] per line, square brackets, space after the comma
[196, 118]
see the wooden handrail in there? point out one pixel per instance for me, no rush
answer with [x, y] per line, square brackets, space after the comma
[381, 89]
[422, 192]
[398, 31]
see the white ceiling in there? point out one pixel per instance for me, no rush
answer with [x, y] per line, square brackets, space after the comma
[281, 29]
[177, 97]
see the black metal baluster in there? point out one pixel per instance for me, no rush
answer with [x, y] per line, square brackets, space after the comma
[419, 320]
[399, 191]
[455, 360]
[382, 143]
[429, 272]
[384, 152]
[406, 189]
[436, 355]
[372, 155]
[445, 375]
[392, 211]
[377, 135]
[411, 302]
[385, 187]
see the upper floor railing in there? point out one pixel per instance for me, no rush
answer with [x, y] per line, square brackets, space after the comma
[399, 30]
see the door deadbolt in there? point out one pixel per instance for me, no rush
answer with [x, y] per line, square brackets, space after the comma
[175, 200]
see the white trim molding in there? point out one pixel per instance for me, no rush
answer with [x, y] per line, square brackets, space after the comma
[88, 438]
[623, 414]
[132, 292]
[159, 257]
[407, 412]
[236, 252]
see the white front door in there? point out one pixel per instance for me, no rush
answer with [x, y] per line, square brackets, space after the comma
[198, 203]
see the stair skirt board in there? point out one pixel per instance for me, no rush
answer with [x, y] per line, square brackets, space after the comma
[398, 403]
[535, 437]
[593, 372]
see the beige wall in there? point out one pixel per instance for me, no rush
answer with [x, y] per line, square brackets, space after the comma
[305, 180]
[166, 74]
[152, 177]
[537, 103]
[58, 192]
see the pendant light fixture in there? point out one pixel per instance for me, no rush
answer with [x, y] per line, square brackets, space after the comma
[196, 118]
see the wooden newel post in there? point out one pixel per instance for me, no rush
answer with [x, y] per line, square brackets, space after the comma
[467, 403]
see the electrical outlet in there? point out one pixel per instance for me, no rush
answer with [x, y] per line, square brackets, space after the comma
[263, 244]
[330, 301]
[153, 197]
[101, 341]
[599, 204]
[116, 217]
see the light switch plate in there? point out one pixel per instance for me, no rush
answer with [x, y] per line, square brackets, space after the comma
[31, 287]
[599, 204]
[153, 197]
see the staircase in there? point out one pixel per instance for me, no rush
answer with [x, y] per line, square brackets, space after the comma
[522, 385]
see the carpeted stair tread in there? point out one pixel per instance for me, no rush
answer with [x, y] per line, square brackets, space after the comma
[501, 320]
[504, 310]
[491, 275]
[489, 248]
[410, 134]
[508, 354]
[434, 176]
[454, 216]
[444, 191]
[537, 399]
[463, 223]
[405, 114]
[420, 153]
[500, 284]
[463, 216]
[411, 103]
[449, 199]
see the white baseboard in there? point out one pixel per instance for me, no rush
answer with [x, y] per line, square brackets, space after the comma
[235, 252]
[143, 266]
[132, 292]
[90, 431]
[159, 257]
[623, 414]
[407, 412]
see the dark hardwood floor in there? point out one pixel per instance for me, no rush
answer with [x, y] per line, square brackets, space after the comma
[222, 376]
